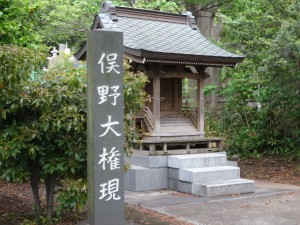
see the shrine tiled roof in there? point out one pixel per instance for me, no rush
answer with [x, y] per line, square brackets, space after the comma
[152, 36]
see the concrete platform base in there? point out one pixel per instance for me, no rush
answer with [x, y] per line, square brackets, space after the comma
[206, 174]
[140, 178]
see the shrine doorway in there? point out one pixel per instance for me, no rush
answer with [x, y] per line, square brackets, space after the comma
[170, 96]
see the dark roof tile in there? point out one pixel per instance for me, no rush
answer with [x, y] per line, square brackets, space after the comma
[157, 36]
[150, 32]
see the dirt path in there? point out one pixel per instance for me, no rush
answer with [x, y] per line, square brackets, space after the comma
[270, 169]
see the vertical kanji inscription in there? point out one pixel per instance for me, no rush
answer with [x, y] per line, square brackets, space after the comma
[105, 128]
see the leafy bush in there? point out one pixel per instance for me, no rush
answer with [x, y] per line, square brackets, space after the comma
[73, 198]
[134, 98]
[43, 123]
[261, 115]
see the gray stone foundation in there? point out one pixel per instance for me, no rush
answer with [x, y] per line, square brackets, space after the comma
[208, 174]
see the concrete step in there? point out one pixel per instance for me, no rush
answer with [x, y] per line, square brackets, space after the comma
[200, 175]
[214, 188]
[192, 161]
[232, 163]
[226, 187]
[139, 178]
[147, 161]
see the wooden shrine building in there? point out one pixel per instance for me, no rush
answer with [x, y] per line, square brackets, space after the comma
[167, 47]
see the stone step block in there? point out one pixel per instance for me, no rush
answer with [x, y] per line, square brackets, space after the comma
[145, 179]
[147, 161]
[226, 187]
[200, 175]
[185, 187]
[232, 163]
[213, 188]
[173, 173]
[197, 160]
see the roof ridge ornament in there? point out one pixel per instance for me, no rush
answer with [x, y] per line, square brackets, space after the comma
[190, 19]
[108, 7]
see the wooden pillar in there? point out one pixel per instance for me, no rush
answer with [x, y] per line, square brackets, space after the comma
[179, 88]
[156, 104]
[176, 95]
[200, 106]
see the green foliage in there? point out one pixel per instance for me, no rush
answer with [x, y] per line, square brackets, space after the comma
[19, 22]
[15, 134]
[68, 21]
[269, 77]
[17, 64]
[162, 5]
[188, 91]
[73, 198]
[40, 220]
[42, 22]
[176, 6]
[43, 121]
[210, 89]
[134, 98]
[61, 97]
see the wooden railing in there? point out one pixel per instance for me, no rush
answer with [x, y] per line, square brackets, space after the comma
[193, 115]
[148, 119]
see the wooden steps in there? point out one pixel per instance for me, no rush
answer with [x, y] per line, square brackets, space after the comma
[171, 124]
[176, 124]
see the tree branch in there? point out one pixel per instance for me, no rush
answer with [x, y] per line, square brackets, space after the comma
[75, 25]
[71, 28]
[212, 6]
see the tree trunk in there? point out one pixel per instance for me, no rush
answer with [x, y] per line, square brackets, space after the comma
[205, 23]
[34, 183]
[50, 183]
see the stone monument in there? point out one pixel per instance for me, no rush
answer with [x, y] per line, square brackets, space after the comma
[105, 128]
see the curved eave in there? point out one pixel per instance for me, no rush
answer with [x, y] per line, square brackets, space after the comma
[142, 56]
[193, 63]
